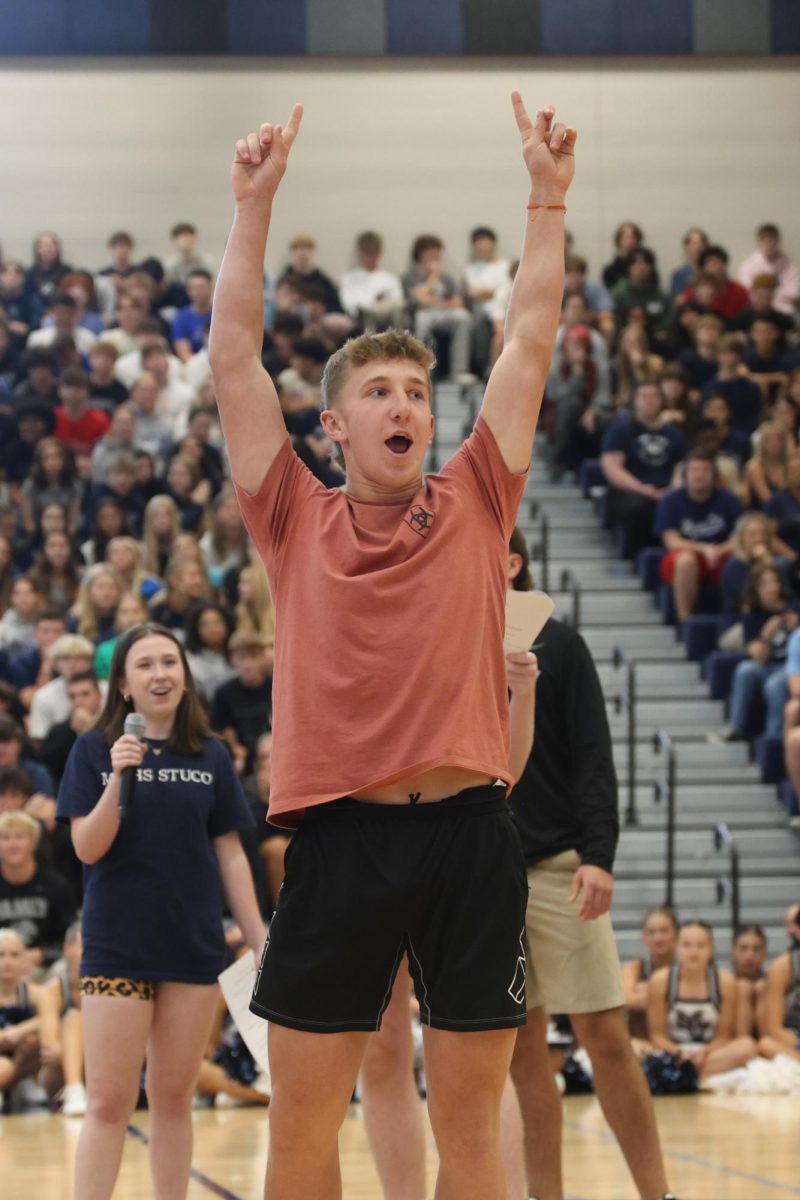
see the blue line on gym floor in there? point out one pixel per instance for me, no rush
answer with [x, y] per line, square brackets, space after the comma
[704, 1162]
[216, 1189]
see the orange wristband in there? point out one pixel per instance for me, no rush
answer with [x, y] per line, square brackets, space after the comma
[560, 207]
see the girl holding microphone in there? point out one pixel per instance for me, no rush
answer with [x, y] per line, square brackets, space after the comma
[153, 940]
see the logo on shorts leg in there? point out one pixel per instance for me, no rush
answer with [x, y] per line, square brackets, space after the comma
[516, 989]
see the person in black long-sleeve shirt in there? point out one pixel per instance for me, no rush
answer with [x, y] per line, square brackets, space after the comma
[565, 807]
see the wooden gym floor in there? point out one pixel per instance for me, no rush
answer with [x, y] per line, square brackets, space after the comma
[717, 1148]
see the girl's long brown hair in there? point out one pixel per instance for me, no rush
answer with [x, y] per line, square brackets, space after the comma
[190, 727]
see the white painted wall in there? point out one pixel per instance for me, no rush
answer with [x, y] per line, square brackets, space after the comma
[92, 145]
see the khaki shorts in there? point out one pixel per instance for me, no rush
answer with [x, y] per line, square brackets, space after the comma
[573, 965]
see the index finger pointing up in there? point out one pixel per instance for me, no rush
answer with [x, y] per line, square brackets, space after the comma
[525, 125]
[292, 127]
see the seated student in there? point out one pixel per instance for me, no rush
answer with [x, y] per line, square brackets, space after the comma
[597, 297]
[742, 393]
[254, 610]
[436, 304]
[770, 257]
[781, 1028]
[39, 385]
[31, 669]
[696, 524]
[694, 242]
[783, 505]
[120, 439]
[208, 631]
[28, 1020]
[369, 293]
[748, 955]
[730, 297]
[303, 271]
[120, 485]
[52, 479]
[633, 364]
[768, 620]
[154, 433]
[56, 572]
[228, 1073]
[34, 900]
[15, 756]
[189, 491]
[85, 700]
[700, 360]
[242, 707]
[95, 609]
[765, 472]
[62, 319]
[678, 408]
[131, 610]
[627, 238]
[18, 622]
[125, 555]
[64, 1072]
[767, 363]
[78, 425]
[69, 655]
[730, 443]
[190, 323]
[109, 522]
[187, 585]
[581, 402]
[691, 1007]
[659, 937]
[638, 297]
[107, 391]
[762, 304]
[638, 457]
[754, 542]
[272, 840]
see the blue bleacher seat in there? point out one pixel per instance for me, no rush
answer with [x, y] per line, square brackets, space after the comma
[769, 756]
[647, 565]
[700, 633]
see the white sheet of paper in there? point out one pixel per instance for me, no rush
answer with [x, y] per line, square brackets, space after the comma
[526, 614]
[237, 982]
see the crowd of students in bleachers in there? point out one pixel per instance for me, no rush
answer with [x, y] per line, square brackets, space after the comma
[116, 503]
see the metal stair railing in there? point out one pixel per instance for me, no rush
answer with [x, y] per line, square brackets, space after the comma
[728, 887]
[665, 789]
[626, 699]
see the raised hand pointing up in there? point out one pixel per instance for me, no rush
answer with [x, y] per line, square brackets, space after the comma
[548, 150]
[260, 160]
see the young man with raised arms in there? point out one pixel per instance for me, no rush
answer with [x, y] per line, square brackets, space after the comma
[390, 703]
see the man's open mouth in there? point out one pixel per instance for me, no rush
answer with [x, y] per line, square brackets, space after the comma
[399, 443]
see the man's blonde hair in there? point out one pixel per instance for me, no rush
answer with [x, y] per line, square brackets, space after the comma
[21, 821]
[393, 344]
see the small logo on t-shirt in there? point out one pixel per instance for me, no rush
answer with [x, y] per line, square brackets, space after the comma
[420, 519]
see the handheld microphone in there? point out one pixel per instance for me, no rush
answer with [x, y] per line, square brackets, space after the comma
[134, 725]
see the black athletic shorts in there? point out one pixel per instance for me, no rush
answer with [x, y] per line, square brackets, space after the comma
[444, 883]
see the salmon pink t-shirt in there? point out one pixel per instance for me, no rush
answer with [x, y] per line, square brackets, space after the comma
[389, 625]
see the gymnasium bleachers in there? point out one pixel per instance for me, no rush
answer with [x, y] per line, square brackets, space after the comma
[715, 783]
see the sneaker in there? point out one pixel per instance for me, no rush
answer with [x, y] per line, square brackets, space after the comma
[728, 733]
[794, 822]
[74, 1102]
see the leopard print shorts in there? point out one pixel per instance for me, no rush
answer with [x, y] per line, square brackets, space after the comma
[103, 985]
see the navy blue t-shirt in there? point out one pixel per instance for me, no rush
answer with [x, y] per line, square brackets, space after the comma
[650, 454]
[152, 906]
[709, 520]
[744, 400]
[784, 508]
